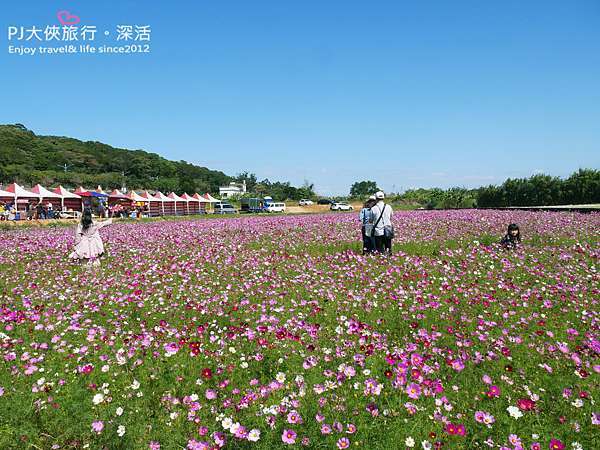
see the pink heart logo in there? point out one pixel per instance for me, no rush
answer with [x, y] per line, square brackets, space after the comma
[66, 18]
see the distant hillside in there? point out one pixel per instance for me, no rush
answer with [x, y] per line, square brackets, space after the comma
[29, 159]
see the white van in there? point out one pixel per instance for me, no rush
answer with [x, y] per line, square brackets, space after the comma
[276, 207]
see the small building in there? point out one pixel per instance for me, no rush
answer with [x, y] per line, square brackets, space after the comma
[233, 190]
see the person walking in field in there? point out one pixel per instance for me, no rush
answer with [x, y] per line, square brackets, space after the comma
[88, 243]
[383, 230]
[366, 221]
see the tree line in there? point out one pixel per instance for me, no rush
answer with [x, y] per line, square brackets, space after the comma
[51, 160]
[581, 187]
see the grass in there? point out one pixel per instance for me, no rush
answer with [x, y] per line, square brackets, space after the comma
[447, 297]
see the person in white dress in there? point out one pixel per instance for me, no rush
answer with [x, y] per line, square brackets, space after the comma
[88, 243]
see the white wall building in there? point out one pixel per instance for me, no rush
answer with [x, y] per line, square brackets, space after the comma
[232, 190]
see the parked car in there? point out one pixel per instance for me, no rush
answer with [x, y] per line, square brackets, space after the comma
[276, 207]
[224, 208]
[324, 201]
[305, 202]
[341, 206]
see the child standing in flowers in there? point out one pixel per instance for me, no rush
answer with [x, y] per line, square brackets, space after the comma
[88, 243]
[512, 238]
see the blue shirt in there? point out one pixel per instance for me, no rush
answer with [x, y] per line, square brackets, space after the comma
[365, 216]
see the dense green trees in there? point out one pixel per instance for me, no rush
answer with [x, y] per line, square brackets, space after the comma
[30, 159]
[362, 189]
[582, 187]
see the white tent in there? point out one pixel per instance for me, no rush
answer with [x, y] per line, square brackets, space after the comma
[65, 194]
[136, 197]
[163, 198]
[43, 192]
[176, 198]
[149, 197]
[200, 198]
[188, 198]
[210, 198]
[6, 194]
[19, 191]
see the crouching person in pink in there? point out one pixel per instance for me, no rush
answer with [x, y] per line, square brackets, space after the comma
[88, 243]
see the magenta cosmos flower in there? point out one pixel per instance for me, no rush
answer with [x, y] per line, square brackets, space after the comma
[343, 443]
[289, 437]
[413, 390]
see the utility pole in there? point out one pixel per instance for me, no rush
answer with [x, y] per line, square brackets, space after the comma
[123, 187]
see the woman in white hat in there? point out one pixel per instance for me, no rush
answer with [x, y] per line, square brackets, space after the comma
[383, 230]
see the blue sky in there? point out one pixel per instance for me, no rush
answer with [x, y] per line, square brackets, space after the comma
[409, 94]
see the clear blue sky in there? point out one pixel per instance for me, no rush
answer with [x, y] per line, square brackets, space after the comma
[409, 94]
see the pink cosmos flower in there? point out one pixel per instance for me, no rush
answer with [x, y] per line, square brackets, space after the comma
[343, 443]
[210, 394]
[555, 444]
[293, 417]
[479, 415]
[171, 348]
[413, 390]
[97, 426]
[153, 445]
[289, 437]
[493, 392]
[325, 429]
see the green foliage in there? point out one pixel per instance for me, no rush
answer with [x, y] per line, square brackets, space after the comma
[582, 187]
[281, 191]
[362, 189]
[31, 159]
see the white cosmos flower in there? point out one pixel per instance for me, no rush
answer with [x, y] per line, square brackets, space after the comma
[254, 435]
[514, 412]
[119, 411]
[98, 398]
[409, 442]
[121, 430]
[280, 377]
[227, 422]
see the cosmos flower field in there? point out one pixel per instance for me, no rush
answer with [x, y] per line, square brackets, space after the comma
[275, 332]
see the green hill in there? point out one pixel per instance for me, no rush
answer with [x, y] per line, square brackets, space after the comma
[30, 159]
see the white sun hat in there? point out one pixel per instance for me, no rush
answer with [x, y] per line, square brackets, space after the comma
[379, 195]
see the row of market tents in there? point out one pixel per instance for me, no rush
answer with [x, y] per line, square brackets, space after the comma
[157, 203]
